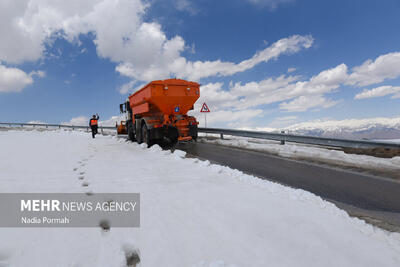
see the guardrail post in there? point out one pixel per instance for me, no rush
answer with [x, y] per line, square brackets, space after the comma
[283, 141]
[222, 136]
[87, 129]
[73, 128]
[59, 126]
[101, 130]
[47, 126]
[22, 125]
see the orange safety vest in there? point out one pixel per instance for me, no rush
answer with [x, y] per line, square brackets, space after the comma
[93, 122]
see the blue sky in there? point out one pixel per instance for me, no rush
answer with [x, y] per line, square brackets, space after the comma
[63, 60]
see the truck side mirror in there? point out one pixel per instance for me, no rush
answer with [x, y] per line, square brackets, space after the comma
[121, 108]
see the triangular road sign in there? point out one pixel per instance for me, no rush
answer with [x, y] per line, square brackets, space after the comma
[204, 108]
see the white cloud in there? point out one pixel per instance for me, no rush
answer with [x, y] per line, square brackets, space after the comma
[13, 79]
[30, 25]
[379, 91]
[214, 96]
[232, 118]
[186, 5]
[39, 73]
[298, 91]
[303, 103]
[112, 120]
[78, 121]
[282, 122]
[141, 49]
[127, 87]
[272, 4]
[247, 98]
[283, 88]
[290, 70]
[172, 64]
[293, 93]
[297, 95]
[372, 72]
[130, 87]
[219, 102]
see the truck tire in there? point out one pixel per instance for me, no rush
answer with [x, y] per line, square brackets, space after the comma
[146, 136]
[131, 131]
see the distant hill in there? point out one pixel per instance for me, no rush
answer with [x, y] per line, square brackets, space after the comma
[375, 128]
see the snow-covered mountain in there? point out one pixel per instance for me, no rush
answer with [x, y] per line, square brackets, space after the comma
[373, 128]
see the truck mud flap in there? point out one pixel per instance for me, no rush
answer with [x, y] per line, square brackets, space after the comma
[193, 131]
[170, 133]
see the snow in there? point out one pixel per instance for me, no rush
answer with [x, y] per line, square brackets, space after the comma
[351, 125]
[313, 153]
[348, 124]
[193, 213]
[359, 129]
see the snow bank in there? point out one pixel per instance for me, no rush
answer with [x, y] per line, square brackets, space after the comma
[298, 151]
[193, 213]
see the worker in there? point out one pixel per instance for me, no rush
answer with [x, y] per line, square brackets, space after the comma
[93, 123]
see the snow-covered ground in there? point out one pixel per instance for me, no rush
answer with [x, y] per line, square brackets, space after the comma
[313, 153]
[193, 213]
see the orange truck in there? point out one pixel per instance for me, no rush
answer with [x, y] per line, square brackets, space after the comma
[157, 113]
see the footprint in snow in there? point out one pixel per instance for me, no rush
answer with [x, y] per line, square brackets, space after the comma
[105, 225]
[81, 177]
[85, 184]
[132, 256]
[82, 173]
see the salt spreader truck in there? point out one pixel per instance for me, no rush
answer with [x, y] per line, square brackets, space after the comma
[157, 113]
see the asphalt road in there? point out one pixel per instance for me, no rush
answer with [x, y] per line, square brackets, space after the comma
[379, 195]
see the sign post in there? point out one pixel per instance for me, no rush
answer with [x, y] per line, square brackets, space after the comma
[205, 110]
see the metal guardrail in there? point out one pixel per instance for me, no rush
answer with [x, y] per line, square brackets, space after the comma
[282, 137]
[73, 127]
[322, 141]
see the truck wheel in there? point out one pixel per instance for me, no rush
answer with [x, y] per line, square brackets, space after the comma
[131, 132]
[138, 131]
[145, 136]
